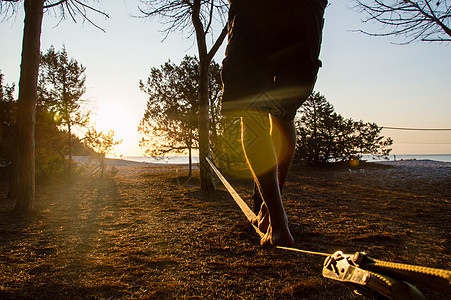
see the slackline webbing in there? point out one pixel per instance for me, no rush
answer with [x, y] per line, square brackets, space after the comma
[250, 215]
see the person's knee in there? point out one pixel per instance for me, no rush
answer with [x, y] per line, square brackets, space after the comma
[283, 133]
[257, 142]
[255, 128]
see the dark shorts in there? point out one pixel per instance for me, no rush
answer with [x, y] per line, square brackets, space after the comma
[272, 55]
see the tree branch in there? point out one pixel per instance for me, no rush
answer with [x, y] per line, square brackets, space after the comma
[92, 8]
[432, 17]
[72, 8]
[218, 43]
[210, 17]
[54, 4]
[416, 20]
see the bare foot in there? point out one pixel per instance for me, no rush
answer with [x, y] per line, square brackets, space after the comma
[280, 237]
[261, 221]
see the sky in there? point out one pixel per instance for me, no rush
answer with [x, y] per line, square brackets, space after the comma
[364, 78]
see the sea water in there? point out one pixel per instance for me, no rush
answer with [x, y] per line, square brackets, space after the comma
[435, 157]
[163, 160]
[195, 159]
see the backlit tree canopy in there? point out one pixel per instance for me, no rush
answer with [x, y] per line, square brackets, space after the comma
[170, 122]
[324, 135]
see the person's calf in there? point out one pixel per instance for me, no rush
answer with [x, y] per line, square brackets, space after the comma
[257, 198]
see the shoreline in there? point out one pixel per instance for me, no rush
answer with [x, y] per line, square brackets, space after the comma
[420, 163]
[417, 163]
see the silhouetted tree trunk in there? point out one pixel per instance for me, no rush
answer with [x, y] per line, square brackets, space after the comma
[190, 173]
[206, 180]
[69, 162]
[27, 104]
[205, 57]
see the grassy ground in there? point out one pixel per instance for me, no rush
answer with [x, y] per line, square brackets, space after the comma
[148, 233]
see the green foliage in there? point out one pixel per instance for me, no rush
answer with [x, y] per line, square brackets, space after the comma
[324, 135]
[61, 86]
[7, 103]
[7, 121]
[50, 143]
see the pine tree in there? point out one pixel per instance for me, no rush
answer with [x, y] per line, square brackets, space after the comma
[324, 135]
[62, 84]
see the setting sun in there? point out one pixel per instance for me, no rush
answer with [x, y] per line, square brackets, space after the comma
[118, 118]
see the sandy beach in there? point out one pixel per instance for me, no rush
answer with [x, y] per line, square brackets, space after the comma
[149, 233]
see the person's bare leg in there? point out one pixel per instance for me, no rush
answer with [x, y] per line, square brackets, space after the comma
[258, 201]
[261, 220]
[283, 135]
[261, 157]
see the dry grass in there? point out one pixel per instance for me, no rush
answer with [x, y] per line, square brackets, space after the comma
[150, 234]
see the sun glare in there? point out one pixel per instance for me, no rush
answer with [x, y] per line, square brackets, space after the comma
[119, 120]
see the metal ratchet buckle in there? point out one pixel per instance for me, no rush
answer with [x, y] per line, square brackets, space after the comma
[346, 269]
[341, 267]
